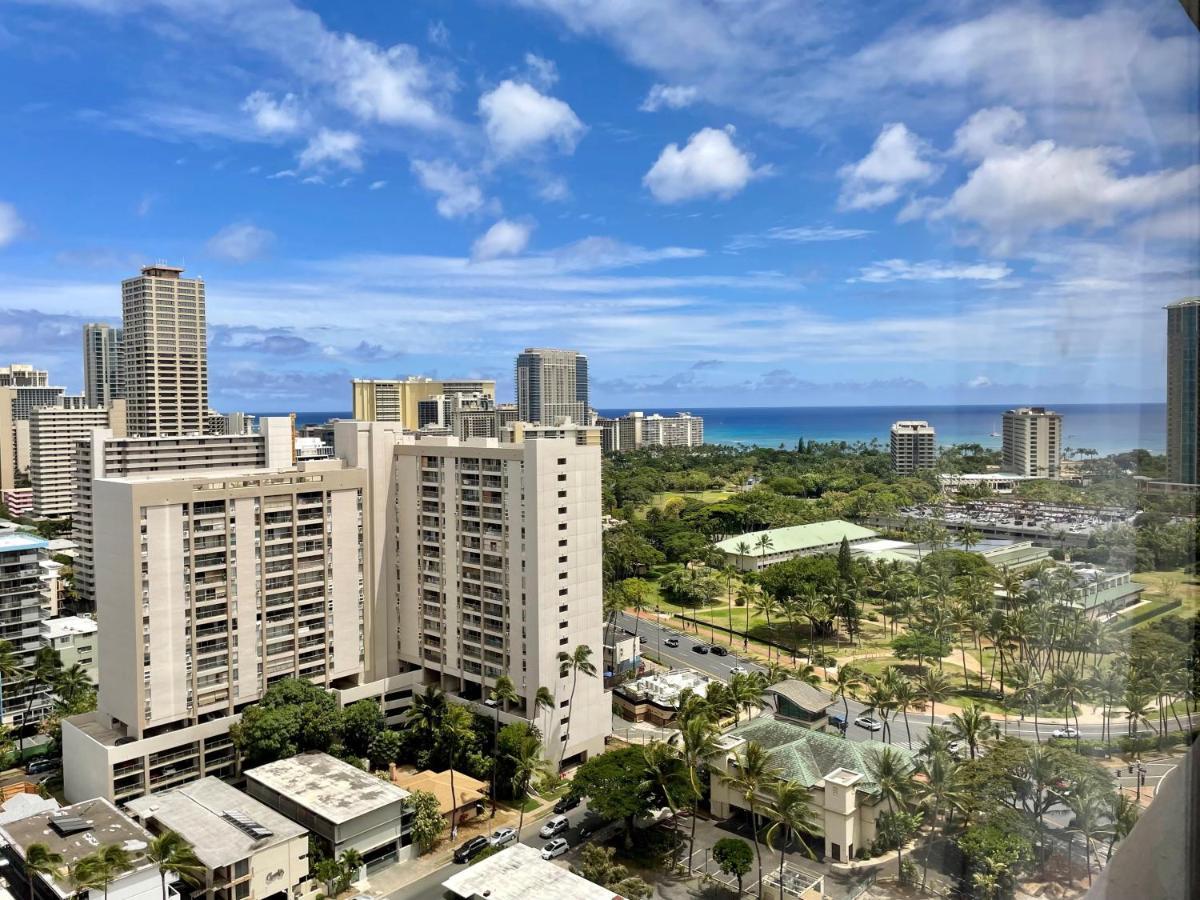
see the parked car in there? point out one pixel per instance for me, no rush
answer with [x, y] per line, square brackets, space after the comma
[566, 803]
[956, 747]
[41, 766]
[1066, 731]
[700, 648]
[556, 847]
[556, 826]
[869, 723]
[671, 642]
[502, 837]
[470, 849]
[837, 721]
[718, 650]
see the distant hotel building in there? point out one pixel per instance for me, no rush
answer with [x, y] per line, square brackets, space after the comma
[1183, 391]
[101, 364]
[635, 430]
[1032, 442]
[914, 447]
[164, 352]
[396, 400]
[552, 385]
[464, 415]
[22, 375]
[22, 390]
[53, 434]
[228, 423]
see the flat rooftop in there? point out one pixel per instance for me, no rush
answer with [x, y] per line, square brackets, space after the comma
[217, 820]
[16, 542]
[76, 831]
[519, 873]
[327, 787]
[67, 626]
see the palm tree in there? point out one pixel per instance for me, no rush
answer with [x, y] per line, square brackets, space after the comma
[664, 775]
[1137, 706]
[742, 548]
[458, 728]
[969, 538]
[753, 773]
[1027, 691]
[71, 682]
[352, 863]
[527, 760]
[543, 701]
[891, 773]
[765, 605]
[504, 693]
[697, 742]
[634, 592]
[577, 661]
[44, 673]
[85, 875]
[1088, 813]
[746, 690]
[730, 573]
[878, 700]
[746, 593]
[848, 678]
[940, 790]
[777, 672]
[427, 713]
[791, 808]
[904, 695]
[1069, 688]
[112, 861]
[173, 855]
[933, 687]
[974, 726]
[763, 544]
[1123, 813]
[41, 860]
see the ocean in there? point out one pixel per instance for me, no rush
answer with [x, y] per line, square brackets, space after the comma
[1105, 428]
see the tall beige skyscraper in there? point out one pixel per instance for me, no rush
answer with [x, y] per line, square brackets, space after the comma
[101, 364]
[1032, 443]
[164, 357]
[1183, 391]
[914, 446]
[552, 384]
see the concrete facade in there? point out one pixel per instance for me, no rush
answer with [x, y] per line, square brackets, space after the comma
[22, 590]
[102, 378]
[75, 641]
[1032, 441]
[164, 355]
[53, 434]
[914, 447]
[1183, 391]
[551, 385]
[395, 400]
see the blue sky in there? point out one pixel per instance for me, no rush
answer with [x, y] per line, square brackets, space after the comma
[773, 203]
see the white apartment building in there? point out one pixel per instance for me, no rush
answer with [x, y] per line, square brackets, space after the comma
[163, 351]
[462, 415]
[104, 454]
[211, 587]
[492, 554]
[914, 446]
[74, 639]
[395, 400]
[551, 385]
[680, 430]
[21, 597]
[23, 375]
[53, 434]
[1032, 441]
[101, 364]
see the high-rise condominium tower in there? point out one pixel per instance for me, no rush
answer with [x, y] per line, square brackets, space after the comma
[101, 364]
[552, 384]
[165, 361]
[913, 446]
[1183, 391]
[395, 400]
[1032, 443]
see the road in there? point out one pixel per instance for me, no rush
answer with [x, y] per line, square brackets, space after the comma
[430, 887]
[684, 656]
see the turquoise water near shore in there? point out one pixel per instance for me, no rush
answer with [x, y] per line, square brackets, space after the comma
[1105, 428]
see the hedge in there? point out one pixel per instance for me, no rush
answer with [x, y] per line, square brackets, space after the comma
[1154, 609]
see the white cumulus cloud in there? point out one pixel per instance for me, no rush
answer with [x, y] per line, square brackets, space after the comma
[518, 118]
[240, 242]
[542, 72]
[671, 96]
[505, 238]
[709, 164]
[342, 148]
[271, 116]
[897, 158]
[458, 192]
[10, 223]
[988, 130]
[904, 270]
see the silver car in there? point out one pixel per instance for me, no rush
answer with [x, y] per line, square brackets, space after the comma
[502, 837]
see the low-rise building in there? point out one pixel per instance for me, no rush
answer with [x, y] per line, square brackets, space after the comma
[18, 500]
[342, 806]
[844, 799]
[996, 482]
[73, 638]
[74, 832]
[249, 851]
[656, 698]
[756, 550]
[458, 803]
[799, 702]
[519, 873]
[620, 655]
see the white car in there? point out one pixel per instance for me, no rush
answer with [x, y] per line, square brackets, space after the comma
[1067, 731]
[737, 670]
[956, 747]
[869, 723]
[556, 826]
[556, 847]
[502, 837]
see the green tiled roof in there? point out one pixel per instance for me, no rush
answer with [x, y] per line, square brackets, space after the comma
[796, 538]
[807, 756]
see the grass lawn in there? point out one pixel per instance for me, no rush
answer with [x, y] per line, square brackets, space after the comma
[1162, 585]
[661, 499]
